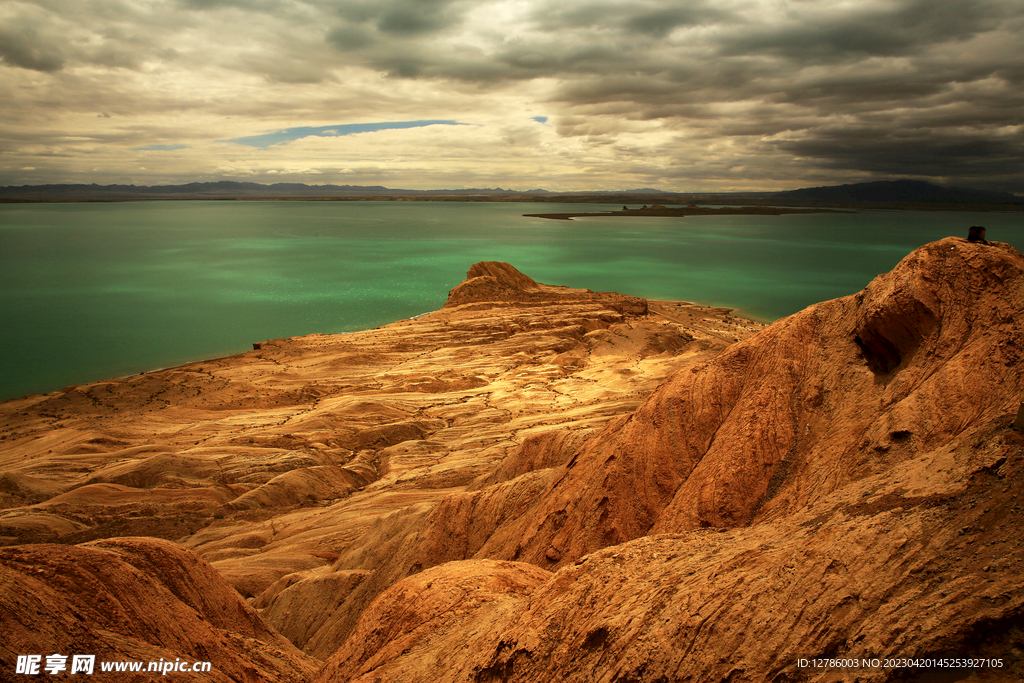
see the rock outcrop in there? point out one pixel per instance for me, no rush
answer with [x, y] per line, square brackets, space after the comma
[136, 600]
[837, 392]
[306, 470]
[844, 483]
[490, 282]
[428, 615]
[539, 483]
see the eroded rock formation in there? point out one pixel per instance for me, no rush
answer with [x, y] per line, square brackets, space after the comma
[794, 496]
[537, 483]
[136, 600]
[305, 469]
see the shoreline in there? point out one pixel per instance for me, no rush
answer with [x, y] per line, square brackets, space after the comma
[732, 312]
[531, 445]
[284, 460]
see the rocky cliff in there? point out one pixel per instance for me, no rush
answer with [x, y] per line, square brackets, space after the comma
[845, 483]
[537, 483]
[841, 391]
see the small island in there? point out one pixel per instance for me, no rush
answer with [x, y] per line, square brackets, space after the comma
[691, 210]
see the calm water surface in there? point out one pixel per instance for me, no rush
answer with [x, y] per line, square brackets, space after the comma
[90, 291]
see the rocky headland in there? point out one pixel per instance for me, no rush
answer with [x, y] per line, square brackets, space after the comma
[538, 483]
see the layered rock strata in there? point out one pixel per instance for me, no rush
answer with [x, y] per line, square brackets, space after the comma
[300, 469]
[539, 484]
[844, 484]
[138, 600]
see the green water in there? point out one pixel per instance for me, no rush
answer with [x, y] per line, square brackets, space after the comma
[90, 291]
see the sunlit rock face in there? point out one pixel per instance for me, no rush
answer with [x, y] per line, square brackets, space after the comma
[805, 492]
[537, 483]
[299, 470]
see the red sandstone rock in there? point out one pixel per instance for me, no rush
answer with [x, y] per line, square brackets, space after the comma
[136, 599]
[837, 392]
[497, 282]
[844, 483]
[417, 631]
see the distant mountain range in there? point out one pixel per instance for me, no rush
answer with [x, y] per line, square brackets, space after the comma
[897, 192]
[881, 193]
[224, 189]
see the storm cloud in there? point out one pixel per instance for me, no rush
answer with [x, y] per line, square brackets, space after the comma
[597, 94]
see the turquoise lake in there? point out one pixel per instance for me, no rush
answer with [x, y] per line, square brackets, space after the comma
[91, 291]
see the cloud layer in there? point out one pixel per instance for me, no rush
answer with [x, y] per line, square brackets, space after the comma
[595, 94]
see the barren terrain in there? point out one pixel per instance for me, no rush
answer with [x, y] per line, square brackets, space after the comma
[537, 483]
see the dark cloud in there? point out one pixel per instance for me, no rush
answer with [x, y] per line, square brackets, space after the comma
[924, 153]
[655, 18]
[403, 18]
[23, 47]
[821, 33]
[218, 4]
[412, 20]
[49, 37]
[351, 38]
[661, 22]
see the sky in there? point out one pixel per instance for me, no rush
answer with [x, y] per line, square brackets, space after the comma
[683, 95]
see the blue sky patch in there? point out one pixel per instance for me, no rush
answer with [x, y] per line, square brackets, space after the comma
[160, 148]
[540, 119]
[289, 134]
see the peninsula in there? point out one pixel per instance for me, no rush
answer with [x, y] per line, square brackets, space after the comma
[538, 483]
